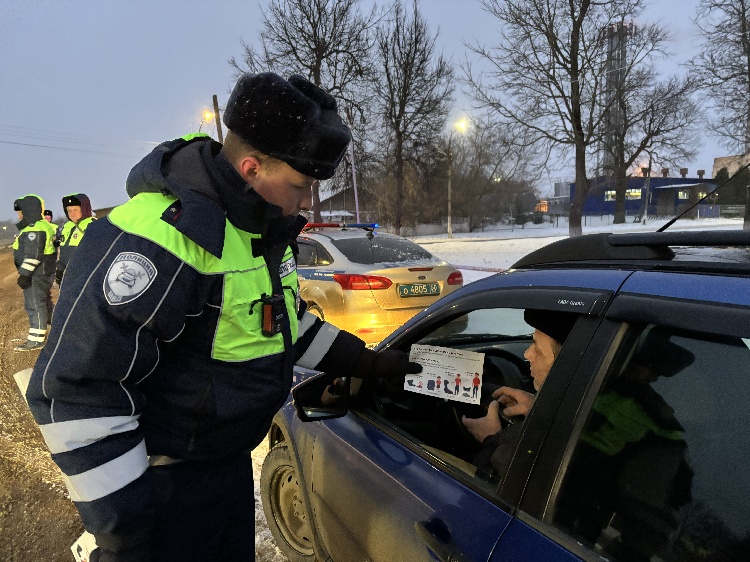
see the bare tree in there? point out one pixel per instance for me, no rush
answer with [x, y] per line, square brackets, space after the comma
[328, 41]
[546, 75]
[413, 93]
[723, 64]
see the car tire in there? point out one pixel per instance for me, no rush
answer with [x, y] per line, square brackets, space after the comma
[317, 311]
[285, 508]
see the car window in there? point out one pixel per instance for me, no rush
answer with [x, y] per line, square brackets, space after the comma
[366, 250]
[433, 424]
[306, 255]
[312, 254]
[660, 469]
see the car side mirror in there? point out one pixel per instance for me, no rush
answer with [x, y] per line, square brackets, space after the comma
[322, 397]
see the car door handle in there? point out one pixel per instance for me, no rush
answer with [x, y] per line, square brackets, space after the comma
[437, 537]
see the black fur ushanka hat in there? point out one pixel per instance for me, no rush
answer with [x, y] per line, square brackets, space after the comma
[292, 120]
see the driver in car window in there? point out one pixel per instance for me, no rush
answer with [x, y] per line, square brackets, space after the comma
[551, 329]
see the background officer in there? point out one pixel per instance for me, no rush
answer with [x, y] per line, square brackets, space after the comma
[78, 210]
[34, 256]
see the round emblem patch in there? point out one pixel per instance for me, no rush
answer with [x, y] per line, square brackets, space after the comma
[128, 278]
[32, 235]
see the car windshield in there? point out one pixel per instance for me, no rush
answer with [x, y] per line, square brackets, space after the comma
[381, 250]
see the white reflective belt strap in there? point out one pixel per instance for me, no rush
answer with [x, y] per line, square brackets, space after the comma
[109, 477]
[307, 322]
[36, 334]
[71, 435]
[22, 379]
[319, 346]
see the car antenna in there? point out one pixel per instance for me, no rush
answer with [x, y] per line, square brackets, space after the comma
[676, 218]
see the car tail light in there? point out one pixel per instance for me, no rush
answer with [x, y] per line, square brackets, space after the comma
[456, 278]
[420, 269]
[353, 282]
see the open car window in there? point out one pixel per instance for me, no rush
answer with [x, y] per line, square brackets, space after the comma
[433, 423]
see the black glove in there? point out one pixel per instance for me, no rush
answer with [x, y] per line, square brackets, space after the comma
[385, 364]
[59, 276]
[24, 281]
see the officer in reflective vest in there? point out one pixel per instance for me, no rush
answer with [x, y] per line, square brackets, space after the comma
[34, 256]
[179, 324]
[78, 210]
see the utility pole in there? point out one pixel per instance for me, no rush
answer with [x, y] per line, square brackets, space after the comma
[647, 186]
[218, 119]
[351, 158]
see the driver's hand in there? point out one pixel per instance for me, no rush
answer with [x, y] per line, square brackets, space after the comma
[481, 428]
[517, 402]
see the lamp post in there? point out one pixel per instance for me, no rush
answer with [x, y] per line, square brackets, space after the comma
[461, 127]
[450, 190]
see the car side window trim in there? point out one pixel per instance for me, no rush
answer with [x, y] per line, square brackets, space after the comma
[563, 299]
[722, 319]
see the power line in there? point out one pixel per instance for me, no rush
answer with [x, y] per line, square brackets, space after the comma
[66, 148]
[16, 135]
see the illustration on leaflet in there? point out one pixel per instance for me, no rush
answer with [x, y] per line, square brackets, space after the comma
[453, 374]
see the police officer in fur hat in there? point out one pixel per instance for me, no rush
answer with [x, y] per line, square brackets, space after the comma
[77, 208]
[152, 401]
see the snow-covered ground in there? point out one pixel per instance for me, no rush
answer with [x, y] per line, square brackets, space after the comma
[479, 254]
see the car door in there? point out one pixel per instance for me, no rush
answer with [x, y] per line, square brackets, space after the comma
[646, 459]
[394, 479]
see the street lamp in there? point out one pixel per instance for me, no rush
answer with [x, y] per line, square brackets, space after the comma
[205, 118]
[461, 126]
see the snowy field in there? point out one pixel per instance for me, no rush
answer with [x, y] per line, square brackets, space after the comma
[479, 254]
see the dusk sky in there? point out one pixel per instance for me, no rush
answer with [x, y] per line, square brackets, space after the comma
[88, 87]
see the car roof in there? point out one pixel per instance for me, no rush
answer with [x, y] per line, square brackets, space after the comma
[713, 251]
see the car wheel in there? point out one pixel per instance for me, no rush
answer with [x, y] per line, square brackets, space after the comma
[317, 311]
[284, 506]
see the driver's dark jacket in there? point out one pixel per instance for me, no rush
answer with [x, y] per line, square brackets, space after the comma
[497, 450]
[153, 348]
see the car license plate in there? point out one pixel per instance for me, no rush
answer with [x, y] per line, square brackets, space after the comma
[418, 289]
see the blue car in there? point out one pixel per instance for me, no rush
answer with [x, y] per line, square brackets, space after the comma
[636, 448]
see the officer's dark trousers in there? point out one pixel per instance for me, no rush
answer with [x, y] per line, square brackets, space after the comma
[37, 303]
[206, 512]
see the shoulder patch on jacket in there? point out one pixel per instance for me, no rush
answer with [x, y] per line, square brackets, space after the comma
[287, 267]
[128, 277]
